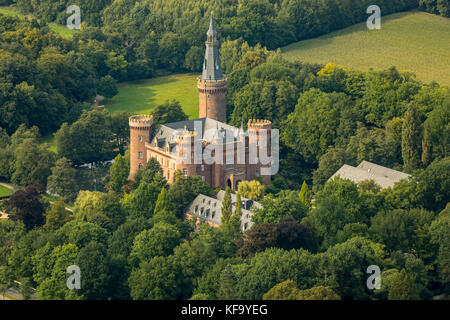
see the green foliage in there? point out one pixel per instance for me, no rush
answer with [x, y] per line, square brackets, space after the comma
[168, 112]
[157, 241]
[227, 209]
[317, 293]
[184, 190]
[412, 139]
[319, 120]
[56, 216]
[252, 189]
[305, 195]
[286, 290]
[119, 172]
[88, 139]
[62, 181]
[26, 206]
[276, 207]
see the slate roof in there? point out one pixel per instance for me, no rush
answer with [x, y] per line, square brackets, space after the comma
[382, 176]
[209, 130]
[210, 209]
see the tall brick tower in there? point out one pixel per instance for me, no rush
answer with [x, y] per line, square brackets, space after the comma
[259, 136]
[140, 132]
[212, 84]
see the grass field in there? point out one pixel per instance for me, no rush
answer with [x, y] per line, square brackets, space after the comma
[141, 97]
[411, 41]
[5, 192]
[63, 31]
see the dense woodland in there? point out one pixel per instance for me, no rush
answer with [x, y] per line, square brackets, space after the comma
[131, 242]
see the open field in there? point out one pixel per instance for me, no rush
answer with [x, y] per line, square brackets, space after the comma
[63, 31]
[5, 192]
[411, 41]
[141, 97]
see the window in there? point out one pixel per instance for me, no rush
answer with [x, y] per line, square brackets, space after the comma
[140, 155]
[162, 161]
[168, 175]
[207, 213]
[257, 173]
[203, 167]
[213, 214]
[196, 209]
[140, 166]
[203, 178]
[141, 138]
[185, 172]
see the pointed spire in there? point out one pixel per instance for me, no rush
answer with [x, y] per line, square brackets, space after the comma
[211, 65]
[212, 29]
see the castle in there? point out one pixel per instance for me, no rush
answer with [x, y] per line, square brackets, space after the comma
[179, 146]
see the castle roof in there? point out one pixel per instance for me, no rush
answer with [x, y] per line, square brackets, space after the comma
[210, 209]
[212, 70]
[382, 176]
[209, 130]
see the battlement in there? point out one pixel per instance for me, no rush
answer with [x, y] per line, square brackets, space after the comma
[141, 121]
[259, 124]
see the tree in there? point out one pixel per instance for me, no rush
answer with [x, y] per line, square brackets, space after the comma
[227, 284]
[286, 290]
[121, 131]
[317, 293]
[107, 87]
[94, 268]
[170, 111]
[282, 205]
[184, 190]
[158, 241]
[227, 209]
[142, 201]
[320, 120]
[305, 195]
[400, 229]
[412, 139]
[56, 216]
[62, 182]
[26, 206]
[6, 280]
[156, 279]
[119, 173]
[194, 59]
[251, 190]
[32, 167]
[163, 201]
[87, 140]
[329, 163]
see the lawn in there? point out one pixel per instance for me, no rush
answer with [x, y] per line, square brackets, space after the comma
[5, 192]
[63, 31]
[411, 41]
[141, 97]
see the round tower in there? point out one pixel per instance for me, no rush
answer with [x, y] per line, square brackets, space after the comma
[140, 133]
[212, 84]
[259, 141]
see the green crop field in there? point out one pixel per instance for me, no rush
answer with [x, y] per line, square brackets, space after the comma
[5, 192]
[63, 31]
[141, 97]
[412, 41]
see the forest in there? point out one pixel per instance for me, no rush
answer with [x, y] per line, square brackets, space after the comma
[313, 238]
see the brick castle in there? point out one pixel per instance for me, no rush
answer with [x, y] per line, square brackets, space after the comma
[176, 146]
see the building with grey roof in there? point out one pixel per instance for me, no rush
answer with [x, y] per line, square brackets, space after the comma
[209, 209]
[382, 176]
